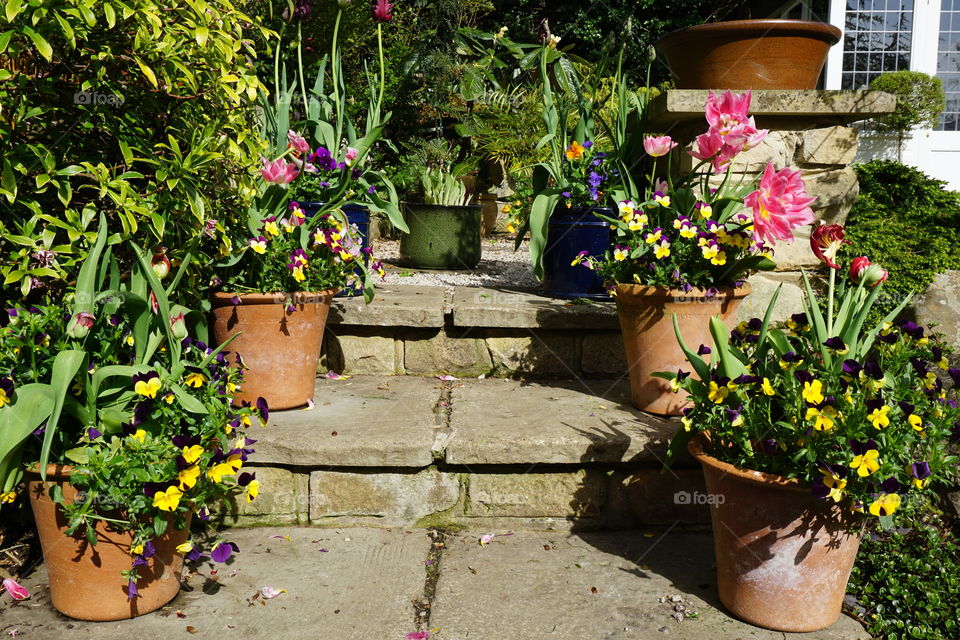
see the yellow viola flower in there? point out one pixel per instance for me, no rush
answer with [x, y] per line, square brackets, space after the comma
[626, 210]
[836, 485]
[620, 253]
[147, 385]
[192, 453]
[663, 201]
[195, 379]
[7, 497]
[930, 381]
[687, 423]
[136, 549]
[662, 250]
[167, 500]
[880, 417]
[129, 341]
[511, 228]
[186, 547]
[638, 222]
[271, 228]
[188, 477]
[767, 388]
[298, 274]
[717, 393]
[823, 419]
[885, 505]
[139, 435]
[719, 259]
[217, 472]
[813, 392]
[253, 490]
[706, 211]
[866, 463]
[916, 422]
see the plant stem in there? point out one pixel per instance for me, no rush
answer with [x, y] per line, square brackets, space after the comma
[833, 278]
[303, 78]
[382, 71]
[335, 75]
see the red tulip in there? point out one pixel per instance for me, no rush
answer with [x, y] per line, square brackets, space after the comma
[825, 241]
[862, 270]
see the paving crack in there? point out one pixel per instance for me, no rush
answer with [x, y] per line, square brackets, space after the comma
[422, 606]
[442, 410]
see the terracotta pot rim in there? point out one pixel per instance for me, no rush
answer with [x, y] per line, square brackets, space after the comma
[773, 27]
[696, 447]
[222, 298]
[649, 291]
[58, 471]
[460, 208]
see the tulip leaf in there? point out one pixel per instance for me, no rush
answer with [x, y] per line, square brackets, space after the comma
[731, 366]
[86, 278]
[677, 446]
[816, 316]
[698, 364]
[769, 314]
[540, 212]
[187, 401]
[864, 347]
[65, 368]
[852, 331]
[18, 420]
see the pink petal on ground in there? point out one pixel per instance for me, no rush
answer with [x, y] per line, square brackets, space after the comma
[16, 591]
[446, 379]
[269, 592]
[333, 375]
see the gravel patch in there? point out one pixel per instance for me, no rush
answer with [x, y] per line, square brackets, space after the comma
[500, 266]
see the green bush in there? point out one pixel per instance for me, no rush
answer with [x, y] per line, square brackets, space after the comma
[906, 583]
[907, 222]
[920, 101]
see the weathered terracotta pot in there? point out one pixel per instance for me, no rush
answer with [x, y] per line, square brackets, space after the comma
[749, 54]
[279, 341]
[85, 580]
[646, 320]
[783, 556]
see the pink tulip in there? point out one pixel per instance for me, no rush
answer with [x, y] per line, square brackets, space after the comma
[298, 143]
[381, 11]
[350, 156]
[780, 205]
[279, 171]
[16, 591]
[710, 146]
[80, 324]
[727, 115]
[658, 146]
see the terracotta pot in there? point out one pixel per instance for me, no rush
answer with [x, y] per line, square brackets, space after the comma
[783, 556]
[85, 580]
[749, 54]
[280, 345]
[646, 320]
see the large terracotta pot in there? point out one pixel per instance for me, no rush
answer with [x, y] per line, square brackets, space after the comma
[749, 54]
[85, 580]
[646, 320]
[783, 556]
[279, 341]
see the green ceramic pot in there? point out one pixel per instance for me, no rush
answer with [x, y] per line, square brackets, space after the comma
[441, 237]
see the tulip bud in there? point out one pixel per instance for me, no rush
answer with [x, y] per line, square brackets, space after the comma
[178, 325]
[862, 270]
[160, 262]
[80, 325]
[651, 54]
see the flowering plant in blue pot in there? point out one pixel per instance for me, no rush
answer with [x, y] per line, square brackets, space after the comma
[811, 430]
[127, 431]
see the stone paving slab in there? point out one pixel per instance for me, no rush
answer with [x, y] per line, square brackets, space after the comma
[497, 421]
[677, 105]
[360, 589]
[394, 306]
[505, 308]
[538, 586]
[365, 421]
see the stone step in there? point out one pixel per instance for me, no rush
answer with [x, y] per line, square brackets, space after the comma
[381, 584]
[406, 450]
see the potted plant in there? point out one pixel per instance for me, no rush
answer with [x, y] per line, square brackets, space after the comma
[128, 431]
[445, 227]
[685, 247]
[747, 53]
[807, 433]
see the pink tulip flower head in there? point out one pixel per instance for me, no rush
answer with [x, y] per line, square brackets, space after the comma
[16, 591]
[382, 11]
[279, 171]
[298, 142]
[780, 205]
[727, 115]
[862, 270]
[658, 146]
[350, 156]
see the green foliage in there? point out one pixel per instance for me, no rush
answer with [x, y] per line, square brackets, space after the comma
[443, 188]
[920, 100]
[906, 583]
[140, 109]
[906, 221]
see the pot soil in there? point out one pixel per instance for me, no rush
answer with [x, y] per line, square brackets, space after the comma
[783, 556]
[85, 580]
[646, 321]
[441, 237]
[749, 54]
[280, 339]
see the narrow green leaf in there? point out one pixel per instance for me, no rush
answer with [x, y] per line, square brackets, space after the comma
[39, 42]
[698, 363]
[65, 368]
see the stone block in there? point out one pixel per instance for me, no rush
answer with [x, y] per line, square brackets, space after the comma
[577, 494]
[827, 146]
[537, 353]
[940, 305]
[603, 354]
[394, 306]
[441, 353]
[282, 499]
[395, 497]
[796, 255]
[832, 187]
[778, 147]
[361, 354]
[498, 308]
[666, 498]
[764, 285]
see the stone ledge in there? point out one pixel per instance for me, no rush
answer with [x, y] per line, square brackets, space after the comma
[398, 306]
[503, 308]
[816, 107]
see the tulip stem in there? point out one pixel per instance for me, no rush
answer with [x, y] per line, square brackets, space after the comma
[382, 72]
[833, 278]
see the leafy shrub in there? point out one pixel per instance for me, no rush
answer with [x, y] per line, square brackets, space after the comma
[906, 583]
[906, 221]
[920, 101]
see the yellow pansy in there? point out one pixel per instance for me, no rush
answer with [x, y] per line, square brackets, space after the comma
[813, 392]
[253, 490]
[148, 387]
[836, 485]
[195, 379]
[823, 418]
[186, 547]
[885, 505]
[192, 453]
[705, 211]
[866, 463]
[880, 417]
[298, 274]
[140, 435]
[717, 393]
[167, 500]
[270, 228]
[188, 477]
[767, 388]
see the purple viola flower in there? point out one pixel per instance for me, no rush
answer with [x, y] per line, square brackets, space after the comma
[802, 376]
[852, 367]
[235, 300]
[704, 350]
[906, 407]
[873, 370]
[132, 590]
[93, 433]
[860, 448]
[890, 485]
[920, 470]
[790, 356]
[141, 412]
[182, 441]
[954, 375]
[919, 366]
[955, 432]
[595, 179]
[13, 313]
[224, 551]
[203, 514]
[194, 554]
[151, 488]
[587, 144]
[263, 409]
[246, 478]
[835, 343]
[565, 194]
[149, 549]
[819, 489]
[912, 329]
[139, 561]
